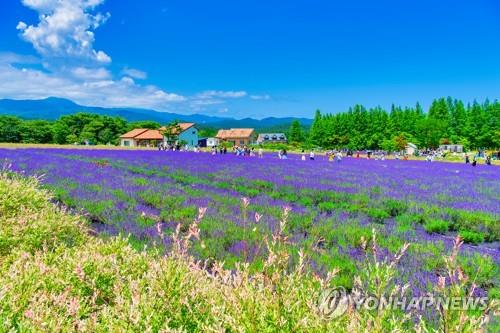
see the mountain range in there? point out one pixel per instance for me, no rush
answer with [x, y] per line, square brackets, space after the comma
[53, 108]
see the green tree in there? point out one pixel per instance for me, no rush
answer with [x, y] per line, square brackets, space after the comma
[295, 132]
[317, 134]
[171, 131]
[10, 129]
[61, 131]
[36, 131]
[400, 141]
[143, 124]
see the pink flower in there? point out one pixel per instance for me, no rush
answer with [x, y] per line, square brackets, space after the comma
[29, 314]
[201, 212]
[257, 217]
[442, 282]
[245, 202]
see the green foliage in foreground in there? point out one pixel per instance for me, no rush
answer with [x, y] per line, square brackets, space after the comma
[55, 277]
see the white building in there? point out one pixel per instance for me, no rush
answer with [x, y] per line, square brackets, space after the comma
[452, 148]
[212, 142]
[410, 149]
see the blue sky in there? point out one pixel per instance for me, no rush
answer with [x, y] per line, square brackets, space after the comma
[249, 58]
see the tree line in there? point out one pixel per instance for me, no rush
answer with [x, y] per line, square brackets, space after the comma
[448, 121]
[70, 129]
[475, 125]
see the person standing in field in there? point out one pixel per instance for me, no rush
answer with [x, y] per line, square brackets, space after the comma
[261, 152]
[474, 161]
[330, 156]
[303, 158]
[467, 160]
[284, 154]
[311, 155]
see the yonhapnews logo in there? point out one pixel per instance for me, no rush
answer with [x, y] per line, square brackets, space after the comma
[334, 302]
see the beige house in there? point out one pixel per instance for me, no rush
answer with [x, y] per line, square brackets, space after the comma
[237, 136]
[141, 137]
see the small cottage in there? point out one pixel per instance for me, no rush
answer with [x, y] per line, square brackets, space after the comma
[237, 136]
[141, 137]
[271, 138]
[410, 149]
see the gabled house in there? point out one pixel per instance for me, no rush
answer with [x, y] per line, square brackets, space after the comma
[411, 149]
[237, 136]
[141, 137]
[271, 138]
[182, 133]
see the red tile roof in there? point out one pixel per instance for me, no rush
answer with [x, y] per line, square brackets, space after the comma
[150, 135]
[143, 134]
[133, 133]
[235, 133]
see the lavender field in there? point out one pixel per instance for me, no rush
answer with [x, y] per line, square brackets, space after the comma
[334, 206]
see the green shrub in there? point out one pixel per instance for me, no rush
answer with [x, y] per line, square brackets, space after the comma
[247, 191]
[481, 268]
[395, 207]
[326, 207]
[377, 215]
[436, 226]
[471, 237]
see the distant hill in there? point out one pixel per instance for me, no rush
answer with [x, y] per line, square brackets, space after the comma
[52, 108]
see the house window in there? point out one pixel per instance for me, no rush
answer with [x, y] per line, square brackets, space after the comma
[194, 132]
[126, 143]
[242, 142]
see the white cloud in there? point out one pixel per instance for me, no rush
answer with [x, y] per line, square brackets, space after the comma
[69, 67]
[72, 68]
[102, 57]
[135, 73]
[260, 97]
[84, 86]
[13, 58]
[65, 28]
[90, 73]
[221, 94]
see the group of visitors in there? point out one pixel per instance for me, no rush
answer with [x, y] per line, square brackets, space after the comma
[244, 151]
[312, 156]
[218, 150]
[166, 146]
[331, 156]
[334, 156]
[487, 160]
